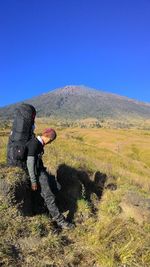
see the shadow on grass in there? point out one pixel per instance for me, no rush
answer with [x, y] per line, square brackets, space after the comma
[75, 184]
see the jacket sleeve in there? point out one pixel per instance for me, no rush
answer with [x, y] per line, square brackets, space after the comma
[31, 168]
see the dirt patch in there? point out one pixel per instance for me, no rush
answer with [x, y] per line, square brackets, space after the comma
[136, 207]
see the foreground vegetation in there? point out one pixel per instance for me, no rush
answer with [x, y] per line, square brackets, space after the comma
[106, 236]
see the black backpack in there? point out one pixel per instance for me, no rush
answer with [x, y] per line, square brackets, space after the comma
[22, 132]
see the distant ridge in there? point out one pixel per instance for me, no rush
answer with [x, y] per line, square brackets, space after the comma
[79, 102]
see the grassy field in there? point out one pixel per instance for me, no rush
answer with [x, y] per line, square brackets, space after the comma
[105, 238]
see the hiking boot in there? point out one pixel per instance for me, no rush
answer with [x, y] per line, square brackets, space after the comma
[62, 223]
[66, 226]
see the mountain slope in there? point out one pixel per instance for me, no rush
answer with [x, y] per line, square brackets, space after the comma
[76, 102]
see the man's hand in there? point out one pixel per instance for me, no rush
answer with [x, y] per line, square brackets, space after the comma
[34, 187]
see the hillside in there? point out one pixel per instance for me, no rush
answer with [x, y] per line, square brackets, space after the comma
[79, 102]
[112, 229]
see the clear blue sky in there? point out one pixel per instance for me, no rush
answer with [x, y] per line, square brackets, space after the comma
[45, 44]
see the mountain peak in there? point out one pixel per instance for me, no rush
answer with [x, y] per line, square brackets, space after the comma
[72, 89]
[80, 102]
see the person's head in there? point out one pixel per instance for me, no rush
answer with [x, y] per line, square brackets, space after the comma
[48, 135]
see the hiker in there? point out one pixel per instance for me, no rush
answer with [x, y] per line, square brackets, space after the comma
[40, 177]
[24, 150]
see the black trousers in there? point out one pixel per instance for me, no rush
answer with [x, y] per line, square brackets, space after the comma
[48, 187]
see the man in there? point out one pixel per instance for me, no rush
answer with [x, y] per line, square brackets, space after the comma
[40, 177]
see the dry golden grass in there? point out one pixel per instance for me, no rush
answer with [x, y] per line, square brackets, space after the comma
[104, 239]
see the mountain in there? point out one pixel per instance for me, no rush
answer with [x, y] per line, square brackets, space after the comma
[79, 102]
